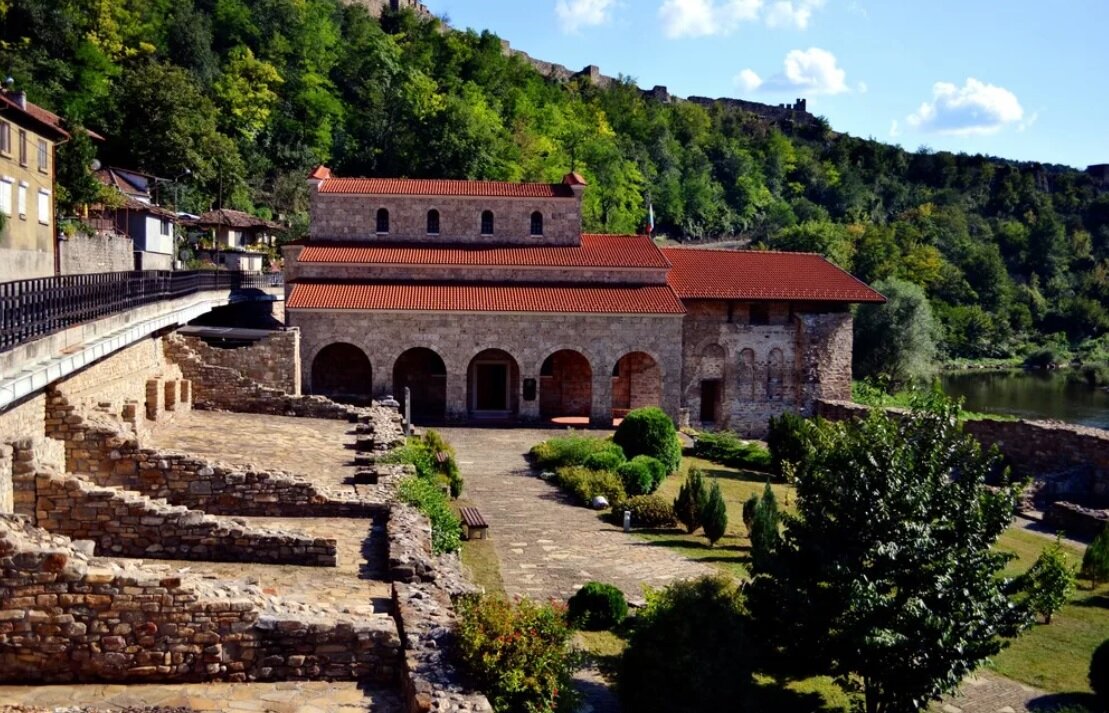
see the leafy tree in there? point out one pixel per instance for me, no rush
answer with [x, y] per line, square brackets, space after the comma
[715, 514]
[690, 503]
[895, 341]
[1095, 563]
[245, 93]
[73, 169]
[765, 531]
[1050, 581]
[885, 578]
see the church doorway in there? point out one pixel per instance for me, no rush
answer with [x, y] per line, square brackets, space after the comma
[493, 379]
[711, 401]
[342, 372]
[566, 388]
[423, 372]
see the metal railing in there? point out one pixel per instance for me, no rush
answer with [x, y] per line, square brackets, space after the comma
[32, 309]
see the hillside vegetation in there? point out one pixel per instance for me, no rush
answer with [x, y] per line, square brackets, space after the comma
[248, 95]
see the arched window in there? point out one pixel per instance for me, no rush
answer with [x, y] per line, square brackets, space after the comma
[486, 222]
[382, 220]
[536, 223]
[433, 222]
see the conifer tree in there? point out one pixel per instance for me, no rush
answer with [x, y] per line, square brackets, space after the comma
[691, 500]
[715, 514]
[764, 530]
[1095, 563]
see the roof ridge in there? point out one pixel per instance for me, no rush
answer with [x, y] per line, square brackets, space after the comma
[749, 251]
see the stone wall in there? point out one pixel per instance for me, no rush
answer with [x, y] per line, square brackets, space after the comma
[295, 270]
[127, 524]
[222, 388]
[1075, 520]
[337, 216]
[97, 253]
[528, 338]
[763, 370]
[7, 493]
[24, 419]
[65, 618]
[273, 361]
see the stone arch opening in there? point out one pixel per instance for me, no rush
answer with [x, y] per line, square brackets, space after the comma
[342, 372]
[636, 382]
[565, 386]
[747, 375]
[775, 376]
[712, 361]
[424, 373]
[493, 385]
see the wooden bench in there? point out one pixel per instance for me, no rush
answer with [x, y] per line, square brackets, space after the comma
[474, 526]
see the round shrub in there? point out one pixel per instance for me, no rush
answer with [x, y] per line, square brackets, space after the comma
[587, 484]
[688, 652]
[608, 459]
[656, 467]
[650, 432]
[636, 476]
[597, 606]
[646, 510]
[1099, 674]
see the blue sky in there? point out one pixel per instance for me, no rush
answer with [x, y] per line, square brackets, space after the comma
[1020, 79]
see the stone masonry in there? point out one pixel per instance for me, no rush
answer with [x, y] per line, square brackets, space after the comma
[273, 361]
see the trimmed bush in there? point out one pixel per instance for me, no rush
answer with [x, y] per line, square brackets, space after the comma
[597, 606]
[609, 459]
[425, 494]
[650, 432]
[571, 450]
[688, 651]
[729, 449]
[646, 510]
[715, 515]
[1095, 563]
[636, 477]
[657, 468]
[691, 500]
[1099, 674]
[519, 655]
[586, 484]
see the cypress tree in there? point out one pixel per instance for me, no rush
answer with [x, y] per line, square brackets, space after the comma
[715, 514]
[764, 530]
[691, 500]
[1095, 563]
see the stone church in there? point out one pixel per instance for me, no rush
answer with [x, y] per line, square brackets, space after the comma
[487, 302]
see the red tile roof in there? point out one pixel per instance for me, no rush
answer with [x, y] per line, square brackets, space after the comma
[460, 297]
[599, 251]
[41, 115]
[234, 219]
[444, 187]
[755, 275]
[320, 173]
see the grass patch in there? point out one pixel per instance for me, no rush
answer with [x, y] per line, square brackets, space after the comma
[733, 551]
[1056, 656]
[479, 557]
[604, 648]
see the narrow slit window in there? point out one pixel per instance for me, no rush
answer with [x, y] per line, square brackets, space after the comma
[487, 222]
[382, 221]
[433, 222]
[536, 223]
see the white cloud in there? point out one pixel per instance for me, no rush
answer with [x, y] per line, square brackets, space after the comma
[895, 129]
[700, 18]
[976, 108]
[787, 13]
[811, 71]
[862, 88]
[576, 14]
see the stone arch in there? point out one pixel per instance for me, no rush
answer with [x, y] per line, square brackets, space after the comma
[565, 385]
[711, 383]
[342, 372]
[493, 384]
[775, 375]
[636, 382]
[747, 375]
[424, 372]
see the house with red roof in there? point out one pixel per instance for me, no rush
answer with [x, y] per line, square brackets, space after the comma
[484, 300]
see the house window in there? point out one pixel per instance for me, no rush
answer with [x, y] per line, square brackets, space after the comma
[44, 207]
[760, 314]
[165, 227]
[44, 156]
[6, 185]
[433, 222]
[21, 201]
[22, 147]
[536, 223]
[382, 221]
[5, 138]
[487, 222]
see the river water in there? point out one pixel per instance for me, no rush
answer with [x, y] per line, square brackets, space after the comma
[1029, 394]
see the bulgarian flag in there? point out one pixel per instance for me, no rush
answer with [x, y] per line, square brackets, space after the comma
[650, 218]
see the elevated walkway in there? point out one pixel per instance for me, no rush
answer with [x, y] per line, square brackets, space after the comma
[53, 327]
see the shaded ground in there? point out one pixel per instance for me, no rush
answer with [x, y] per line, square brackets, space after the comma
[318, 449]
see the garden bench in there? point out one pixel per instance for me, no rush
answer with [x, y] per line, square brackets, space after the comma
[474, 525]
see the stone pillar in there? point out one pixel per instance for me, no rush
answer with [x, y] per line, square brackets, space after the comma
[154, 395]
[456, 394]
[294, 356]
[529, 410]
[171, 395]
[600, 413]
[382, 376]
[7, 493]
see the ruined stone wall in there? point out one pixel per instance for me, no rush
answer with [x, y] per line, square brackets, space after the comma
[1075, 520]
[763, 369]
[273, 361]
[354, 217]
[529, 338]
[127, 524]
[97, 253]
[64, 618]
[7, 492]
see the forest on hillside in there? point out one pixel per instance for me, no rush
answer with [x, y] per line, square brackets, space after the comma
[249, 95]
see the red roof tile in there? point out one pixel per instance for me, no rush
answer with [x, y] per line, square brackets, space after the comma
[600, 251]
[755, 275]
[459, 297]
[444, 187]
[320, 173]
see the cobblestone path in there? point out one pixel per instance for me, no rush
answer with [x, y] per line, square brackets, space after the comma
[989, 693]
[547, 546]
